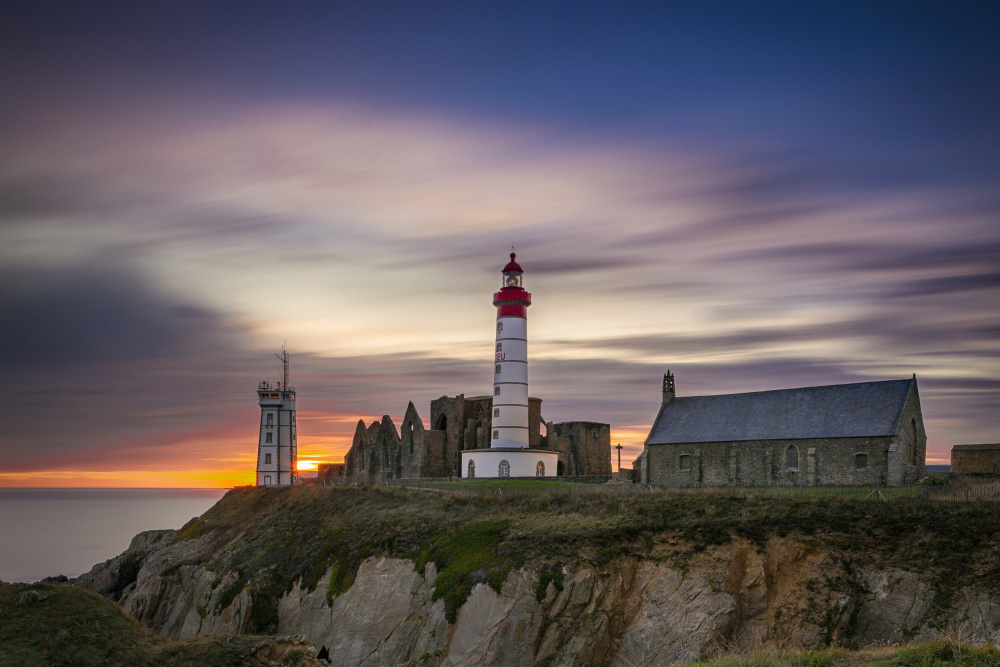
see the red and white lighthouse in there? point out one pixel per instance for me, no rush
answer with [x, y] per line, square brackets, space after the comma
[509, 454]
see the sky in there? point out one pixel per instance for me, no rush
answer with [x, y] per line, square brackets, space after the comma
[753, 195]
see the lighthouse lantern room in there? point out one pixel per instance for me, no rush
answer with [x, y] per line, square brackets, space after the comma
[509, 454]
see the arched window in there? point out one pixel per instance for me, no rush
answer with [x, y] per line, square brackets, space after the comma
[442, 424]
[792, 458]
[861, 461]
[560, 469]
[472, 468]
[540, 469]
[685, 462]
[504, 469]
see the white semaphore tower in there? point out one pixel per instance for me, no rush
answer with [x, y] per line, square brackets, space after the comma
[277, 450]
[509, 454]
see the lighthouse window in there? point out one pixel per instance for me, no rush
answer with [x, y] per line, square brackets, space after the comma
[268, 436]
[496, 391]
[499, 347]
[504, 469]
[496, 435]
[499, 327]
[496, 412]
[267, 459]
[497, 369]
[270, 419]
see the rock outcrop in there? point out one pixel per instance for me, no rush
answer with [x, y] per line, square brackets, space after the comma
[626, 612]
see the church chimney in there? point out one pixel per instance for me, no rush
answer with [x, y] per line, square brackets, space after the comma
[668, 387]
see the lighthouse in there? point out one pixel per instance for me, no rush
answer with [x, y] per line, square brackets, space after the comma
[509, 454]
[277, 449]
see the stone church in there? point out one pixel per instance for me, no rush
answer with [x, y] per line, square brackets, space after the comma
[865, 433]
[379, 452]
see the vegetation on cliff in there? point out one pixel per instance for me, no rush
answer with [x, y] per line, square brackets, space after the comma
[940, 653]
[278, 536]
[44, 624]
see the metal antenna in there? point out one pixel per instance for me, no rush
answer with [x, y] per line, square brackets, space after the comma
[283, 358]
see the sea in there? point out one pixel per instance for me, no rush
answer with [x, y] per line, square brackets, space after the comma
[48, 532]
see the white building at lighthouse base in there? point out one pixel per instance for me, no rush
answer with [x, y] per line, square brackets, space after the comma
[509, 462]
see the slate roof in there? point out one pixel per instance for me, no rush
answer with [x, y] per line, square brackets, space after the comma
[834, 411]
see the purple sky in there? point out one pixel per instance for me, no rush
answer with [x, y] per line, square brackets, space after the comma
[754, 195]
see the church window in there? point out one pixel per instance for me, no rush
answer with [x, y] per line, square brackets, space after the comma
[496, 391]
[268, 436]
[540, 469]
[496, 412]
[792, 458]
[860, 461]
[270, 419]
[496, 435]
[497, 369]
[504, 469]
[472, 468]
[685, 462]
[267, 459]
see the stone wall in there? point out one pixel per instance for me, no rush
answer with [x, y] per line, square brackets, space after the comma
[976, 459]
[827, 461]
[584, 447]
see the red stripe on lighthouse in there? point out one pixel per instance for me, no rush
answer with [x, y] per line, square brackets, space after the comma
[512, 310]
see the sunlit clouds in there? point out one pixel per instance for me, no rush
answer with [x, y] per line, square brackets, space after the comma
[744, 211]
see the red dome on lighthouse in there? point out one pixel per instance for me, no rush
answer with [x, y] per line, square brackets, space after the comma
[512, 265]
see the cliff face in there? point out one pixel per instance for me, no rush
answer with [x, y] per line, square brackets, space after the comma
[668, 604]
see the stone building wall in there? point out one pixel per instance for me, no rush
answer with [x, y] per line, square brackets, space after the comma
[584, 447]
[825, 461]
[976, 459]
[908, 448]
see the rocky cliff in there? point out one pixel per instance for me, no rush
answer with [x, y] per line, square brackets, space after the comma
[394, 577]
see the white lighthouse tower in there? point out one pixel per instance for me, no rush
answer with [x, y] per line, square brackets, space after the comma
[277, 450]
[509, 454]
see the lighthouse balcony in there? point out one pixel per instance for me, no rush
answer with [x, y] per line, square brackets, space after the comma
[512, 295]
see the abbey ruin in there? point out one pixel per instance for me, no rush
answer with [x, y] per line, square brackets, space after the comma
[380, 452]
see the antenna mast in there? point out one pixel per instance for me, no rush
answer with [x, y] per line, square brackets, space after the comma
[283, 358]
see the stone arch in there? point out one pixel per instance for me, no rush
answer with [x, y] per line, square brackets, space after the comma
[504, 469]
[442, 423]
[560, 469]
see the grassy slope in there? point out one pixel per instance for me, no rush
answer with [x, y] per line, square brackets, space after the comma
[41, 624]
[942, 653]
[276, 536]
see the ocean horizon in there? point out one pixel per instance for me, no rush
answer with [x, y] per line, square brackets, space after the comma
[51, 531]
